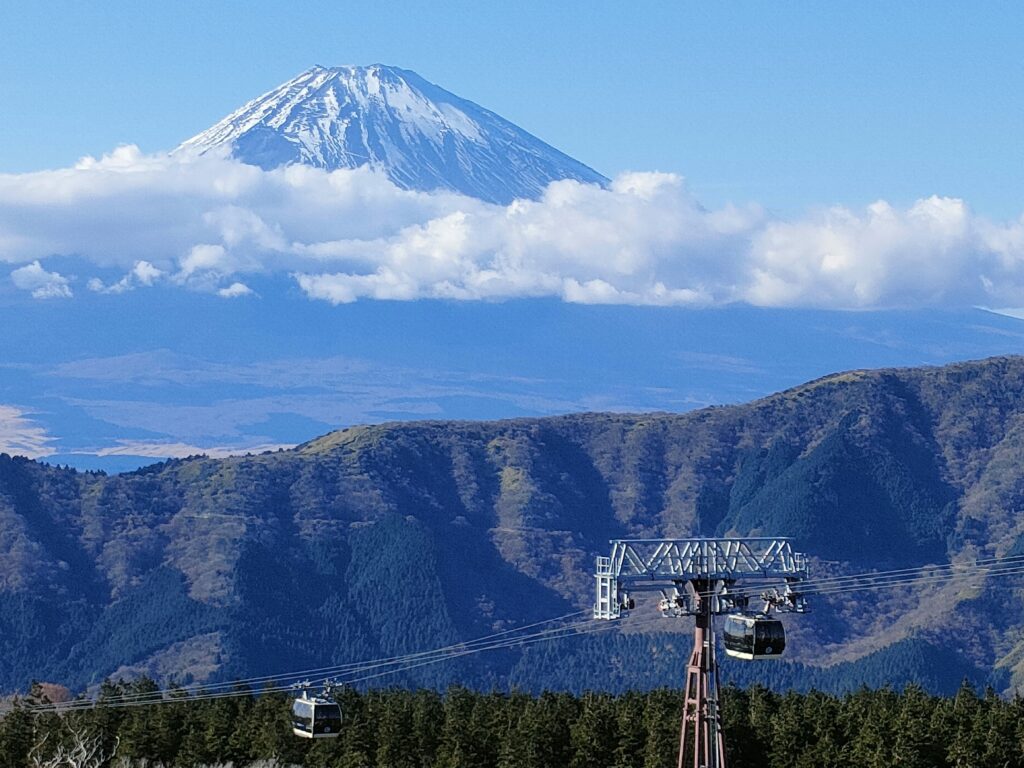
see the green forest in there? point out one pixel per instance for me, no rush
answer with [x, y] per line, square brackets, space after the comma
[461, 728]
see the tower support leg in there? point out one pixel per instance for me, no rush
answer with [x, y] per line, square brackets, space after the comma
[701, 729]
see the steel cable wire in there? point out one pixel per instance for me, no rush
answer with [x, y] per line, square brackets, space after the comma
[341, 669]
[440, 654]
[353, 673]
[840, 580]
[160, 697]
[806, 586]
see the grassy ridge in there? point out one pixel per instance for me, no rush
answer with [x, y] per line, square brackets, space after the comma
[375, 541]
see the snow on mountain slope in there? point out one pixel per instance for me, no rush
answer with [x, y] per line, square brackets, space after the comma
[419, 134]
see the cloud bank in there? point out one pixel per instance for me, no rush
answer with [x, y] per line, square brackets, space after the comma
[178, 450]
[21, 436]
[210, 223]
[40, 283]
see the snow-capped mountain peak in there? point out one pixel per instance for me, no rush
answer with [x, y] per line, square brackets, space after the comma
[419, 134]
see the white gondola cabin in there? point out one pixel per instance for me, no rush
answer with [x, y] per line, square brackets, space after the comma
[316, 718]
[752, 637]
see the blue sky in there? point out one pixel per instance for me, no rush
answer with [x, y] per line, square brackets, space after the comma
[158, 308]
[793, 105]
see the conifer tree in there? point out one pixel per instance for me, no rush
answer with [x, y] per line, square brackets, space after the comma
[541, 736]
[824, 740]
[742, 748]
[270, 732]
[393, 721]
[912, 741]
[169, 726]
[966, 743]
[427, 714]
[192, 748]
[17, 736]
[107, 720]
[460, 745]
[357, 740]
[1001, 746]
[594, 734]
[789, 732]
[138, 732]
[510, 744]
[631, 738]
[763, 704]
[868, 718]
[662, 714]
[486, 725]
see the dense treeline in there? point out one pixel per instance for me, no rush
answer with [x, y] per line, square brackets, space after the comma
[466, 729]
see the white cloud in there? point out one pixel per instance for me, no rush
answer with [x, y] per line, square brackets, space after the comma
[20, 436]
[351, 235]
[142, 275]
[178, 450]
[235, 290]
[43, 285]
[930, 254]
[145, 273]
[205, 258]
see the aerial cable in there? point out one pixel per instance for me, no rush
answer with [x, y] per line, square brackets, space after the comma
[578, 633]
[921, 576]
[857, 577]
[342, 669]
[355, 672]
[924, 574]
[906, 577]
[586, 628]
[936, 566]
[591, 629]
[923, 579]
[867, 584]
[440, 654]
[574, 630]
[806, 586]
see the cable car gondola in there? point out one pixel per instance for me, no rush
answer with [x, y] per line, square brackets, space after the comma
[314, 717]
[752, 637]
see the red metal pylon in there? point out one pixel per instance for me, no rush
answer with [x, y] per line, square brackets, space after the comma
[701, 717]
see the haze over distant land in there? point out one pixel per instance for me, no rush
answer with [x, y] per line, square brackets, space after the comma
[361, 245]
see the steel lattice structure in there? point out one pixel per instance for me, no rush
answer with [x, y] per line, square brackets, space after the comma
[698, 577]
[654, 564]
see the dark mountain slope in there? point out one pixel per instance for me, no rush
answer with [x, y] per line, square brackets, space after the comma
[380, 540]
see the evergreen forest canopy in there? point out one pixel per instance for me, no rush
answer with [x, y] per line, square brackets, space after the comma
[386, 540]
[423, 729]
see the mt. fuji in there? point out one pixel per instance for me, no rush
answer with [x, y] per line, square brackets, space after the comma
[423, 137]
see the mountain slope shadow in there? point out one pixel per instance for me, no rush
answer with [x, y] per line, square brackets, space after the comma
[880, 503]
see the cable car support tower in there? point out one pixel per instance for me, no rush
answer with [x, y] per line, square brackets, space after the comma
[702, 578]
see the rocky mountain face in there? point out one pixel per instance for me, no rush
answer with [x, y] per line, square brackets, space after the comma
[418, 134]
[379, 540]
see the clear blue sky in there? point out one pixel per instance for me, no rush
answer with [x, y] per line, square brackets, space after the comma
[793, 105]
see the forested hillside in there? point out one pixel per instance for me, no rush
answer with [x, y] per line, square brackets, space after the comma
[383, 540]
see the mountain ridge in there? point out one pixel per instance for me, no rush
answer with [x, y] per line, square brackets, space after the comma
[420, 135]
[498, 522]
